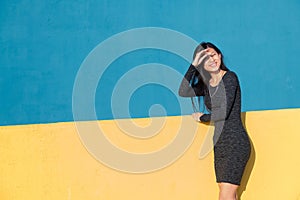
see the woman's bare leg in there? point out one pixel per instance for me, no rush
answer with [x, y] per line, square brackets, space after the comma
[228, 191]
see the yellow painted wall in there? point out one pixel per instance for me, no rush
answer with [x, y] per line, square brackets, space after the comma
[49, 161]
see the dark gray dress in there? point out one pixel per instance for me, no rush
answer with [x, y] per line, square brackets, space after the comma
[231, 142]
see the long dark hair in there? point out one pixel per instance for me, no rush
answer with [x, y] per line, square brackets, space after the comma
[201, 77]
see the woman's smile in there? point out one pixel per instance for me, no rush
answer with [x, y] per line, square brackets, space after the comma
[213, 64]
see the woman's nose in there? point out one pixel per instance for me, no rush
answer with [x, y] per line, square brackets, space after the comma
[210, 60]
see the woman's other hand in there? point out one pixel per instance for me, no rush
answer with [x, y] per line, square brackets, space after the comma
[196, 116]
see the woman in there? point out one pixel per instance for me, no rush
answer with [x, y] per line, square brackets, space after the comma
[208, 76]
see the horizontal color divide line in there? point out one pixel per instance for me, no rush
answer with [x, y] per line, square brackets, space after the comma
[256, 112]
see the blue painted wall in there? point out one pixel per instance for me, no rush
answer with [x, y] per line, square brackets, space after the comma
[42, 45]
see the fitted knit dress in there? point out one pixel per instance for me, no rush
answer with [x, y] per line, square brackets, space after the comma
[231, 142]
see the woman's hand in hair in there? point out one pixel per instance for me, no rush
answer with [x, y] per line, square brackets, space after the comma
[200, 57]
[196, 116]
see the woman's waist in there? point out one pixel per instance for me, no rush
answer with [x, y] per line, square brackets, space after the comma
[230, 125]
[236, 120]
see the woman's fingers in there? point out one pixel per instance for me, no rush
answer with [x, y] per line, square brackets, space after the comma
[201, 60]
[201, 53]
[196, 116]
[202, 56]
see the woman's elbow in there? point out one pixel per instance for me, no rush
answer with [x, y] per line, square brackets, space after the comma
[181, 93]
[184, 93]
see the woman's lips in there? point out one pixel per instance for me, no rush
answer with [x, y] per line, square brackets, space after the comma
[213, 64]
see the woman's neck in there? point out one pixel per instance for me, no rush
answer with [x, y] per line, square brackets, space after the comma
[216, 77]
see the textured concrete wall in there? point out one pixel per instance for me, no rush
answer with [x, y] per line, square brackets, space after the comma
[42, 47]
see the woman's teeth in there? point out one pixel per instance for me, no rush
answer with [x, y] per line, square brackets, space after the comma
[213, 65]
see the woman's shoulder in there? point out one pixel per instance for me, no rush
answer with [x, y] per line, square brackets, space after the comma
[230, 76]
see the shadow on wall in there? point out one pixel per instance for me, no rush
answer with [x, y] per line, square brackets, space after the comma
[249, 165]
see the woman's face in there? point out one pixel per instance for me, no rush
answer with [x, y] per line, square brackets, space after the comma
[214, 62]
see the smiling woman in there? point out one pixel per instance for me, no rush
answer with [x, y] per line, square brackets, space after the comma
[222, 96]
